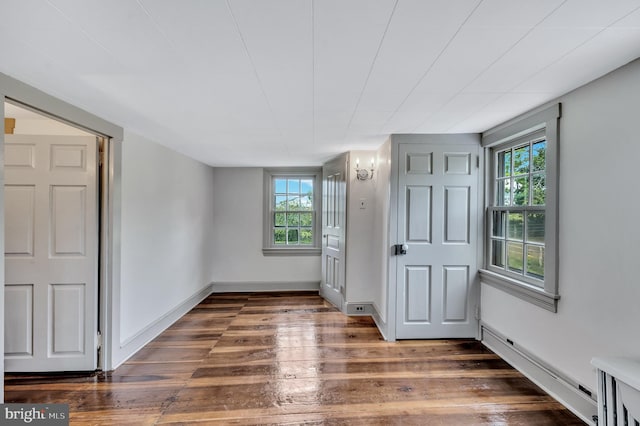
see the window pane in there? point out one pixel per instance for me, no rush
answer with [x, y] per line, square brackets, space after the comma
[294, 186]
[521, 191]
[292, 236]
[539, 189]
[497, 253]
[306, 186]
[294, 202]
[281, 202]
[306, 202]
[521, 160]
[503, 192]
[535, 227]
[279, 219]
[504, 164]
[280, 186]
[499, 224]
[515, 226]
[279, 236]
[306, 236]
[306, 219]
[293, 219]
[515, 258]
[539, 150]
[535, 261]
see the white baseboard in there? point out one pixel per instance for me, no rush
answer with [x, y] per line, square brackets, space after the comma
[129, 347]
[570, 394]
[259, 286]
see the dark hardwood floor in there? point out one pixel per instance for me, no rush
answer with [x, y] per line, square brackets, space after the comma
[290, 358]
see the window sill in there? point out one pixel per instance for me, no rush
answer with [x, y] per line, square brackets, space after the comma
[522, 290]
[277, 251]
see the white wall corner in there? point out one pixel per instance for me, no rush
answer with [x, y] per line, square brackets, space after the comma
[128, 348]
[380, 323]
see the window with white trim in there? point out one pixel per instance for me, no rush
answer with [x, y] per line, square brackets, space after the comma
[522, 177]
[291, 210]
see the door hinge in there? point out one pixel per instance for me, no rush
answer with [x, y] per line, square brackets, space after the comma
[99, 340]
[477, 161]
[101, 147]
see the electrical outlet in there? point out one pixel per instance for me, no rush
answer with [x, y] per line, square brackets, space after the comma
[359, 308]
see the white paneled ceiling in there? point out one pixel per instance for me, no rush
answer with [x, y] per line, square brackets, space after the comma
[296, 82]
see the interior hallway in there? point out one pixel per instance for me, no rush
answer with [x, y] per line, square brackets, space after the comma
[290, 358]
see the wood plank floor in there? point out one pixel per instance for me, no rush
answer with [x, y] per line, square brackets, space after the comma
[290, 358]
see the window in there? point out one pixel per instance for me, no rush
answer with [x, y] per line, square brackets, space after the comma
[522, 208]
[292, 203]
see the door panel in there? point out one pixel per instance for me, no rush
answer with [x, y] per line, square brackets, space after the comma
[437, 220]
[51, 253]
[334, 202]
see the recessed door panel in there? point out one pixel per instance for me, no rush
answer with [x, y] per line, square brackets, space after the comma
[67, 319]
[19, 220]
[68, 229]
[19, 155]
[418, 294]
[456, 215]
[73, 157]
[18, 318]
[419, 163]
[456, 287]
[458, 163]
[418, 213]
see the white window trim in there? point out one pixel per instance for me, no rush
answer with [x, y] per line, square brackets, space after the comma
[546, 297]
[268, 247]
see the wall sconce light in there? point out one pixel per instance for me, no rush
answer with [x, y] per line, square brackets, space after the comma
[364, 174]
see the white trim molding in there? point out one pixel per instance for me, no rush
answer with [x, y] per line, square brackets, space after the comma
[263, 286]
[576, 397]
[542, 119]
[269, 248]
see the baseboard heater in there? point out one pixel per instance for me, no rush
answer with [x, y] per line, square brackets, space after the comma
[618, 391]
[576, 397]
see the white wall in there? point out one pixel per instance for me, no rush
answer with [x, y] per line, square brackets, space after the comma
[237, 254]
[166, 243]
[599, 310]
[360, 228]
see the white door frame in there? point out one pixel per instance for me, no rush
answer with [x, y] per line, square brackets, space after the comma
[396, 140]
[14, 90]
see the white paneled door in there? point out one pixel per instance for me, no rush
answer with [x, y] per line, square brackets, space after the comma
[51, 253]
[334, 218]
[438, 222]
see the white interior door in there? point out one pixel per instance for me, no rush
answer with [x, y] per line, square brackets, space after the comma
[436, 280]
[334, 218]
[51, 241]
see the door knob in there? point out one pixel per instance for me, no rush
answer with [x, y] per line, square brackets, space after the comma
[400, 249]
